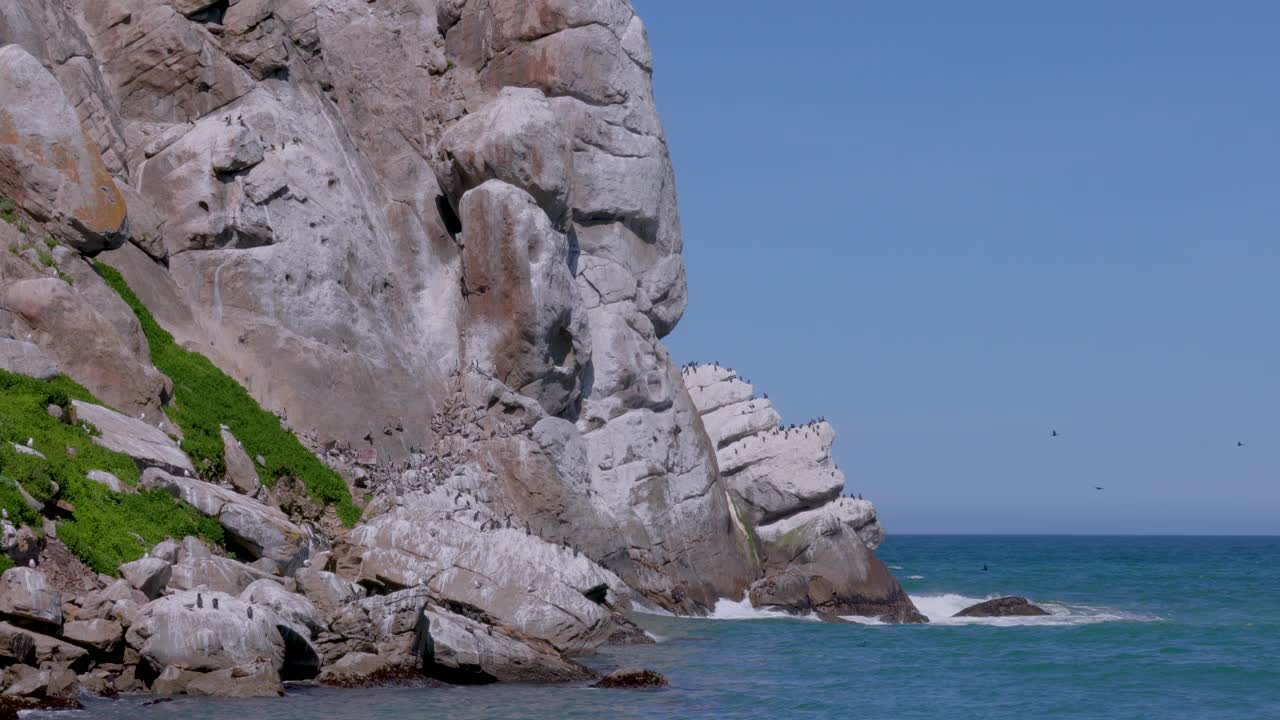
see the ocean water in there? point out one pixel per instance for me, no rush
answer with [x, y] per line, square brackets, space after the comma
[1142, 627]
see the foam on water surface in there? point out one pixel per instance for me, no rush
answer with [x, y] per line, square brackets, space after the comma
[727, 609]
[941, 608]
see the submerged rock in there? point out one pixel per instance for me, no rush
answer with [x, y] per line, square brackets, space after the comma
[1010, 606]
[13, 707]
[632, 679]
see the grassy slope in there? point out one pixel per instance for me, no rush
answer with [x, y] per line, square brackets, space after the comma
[101, 533]
[207, 398]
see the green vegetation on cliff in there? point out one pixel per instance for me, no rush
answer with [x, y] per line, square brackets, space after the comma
[106, 528]
[207, 398]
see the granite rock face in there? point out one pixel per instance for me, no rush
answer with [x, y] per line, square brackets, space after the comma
[772, 471]
[259, 530]
[48, 165]
[345, 204]
[816, 545]
[439, 238]
[25, 358]
[205, 631]
[148, 446]
[466, 645]
[26, 598]
[75, 330]
[521, 580]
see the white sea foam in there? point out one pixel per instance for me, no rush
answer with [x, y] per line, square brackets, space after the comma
[727, 609]
[915, 577]
[895, 567]
[941, 608]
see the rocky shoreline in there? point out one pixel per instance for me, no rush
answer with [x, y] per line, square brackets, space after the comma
[331, 350]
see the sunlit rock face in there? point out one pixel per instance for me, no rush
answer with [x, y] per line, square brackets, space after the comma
[815, 544]
[397, 221]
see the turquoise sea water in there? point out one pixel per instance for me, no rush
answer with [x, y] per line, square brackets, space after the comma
[1144, 627]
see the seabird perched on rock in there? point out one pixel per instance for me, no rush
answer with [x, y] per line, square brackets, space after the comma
[250, 612]
[199, 601]
[215, 603]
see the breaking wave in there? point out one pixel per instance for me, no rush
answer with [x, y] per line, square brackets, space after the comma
[727, 609]
[941, 608]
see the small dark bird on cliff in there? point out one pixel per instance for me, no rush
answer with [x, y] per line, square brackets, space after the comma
[215, 603]
[199, 600]
[250, 612]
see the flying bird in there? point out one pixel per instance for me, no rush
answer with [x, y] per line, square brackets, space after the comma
[1054, 433]
[1097, 487]
[1239, 443]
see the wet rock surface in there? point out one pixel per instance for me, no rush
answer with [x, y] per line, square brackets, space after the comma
[632, 679]
[1003, 607]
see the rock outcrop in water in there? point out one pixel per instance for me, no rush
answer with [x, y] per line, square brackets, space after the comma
[439, 239]
[815, 545]
[1003, 607]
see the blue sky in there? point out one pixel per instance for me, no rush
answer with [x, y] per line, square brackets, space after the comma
[952, 227]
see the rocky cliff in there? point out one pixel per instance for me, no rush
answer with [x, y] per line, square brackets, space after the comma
[439, 241]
